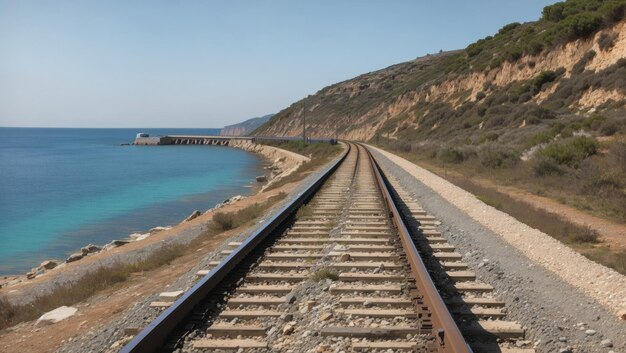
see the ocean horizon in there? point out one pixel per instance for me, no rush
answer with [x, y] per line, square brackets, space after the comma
[64, 188]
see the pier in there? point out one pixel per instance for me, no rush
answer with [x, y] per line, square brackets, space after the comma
[189, 140]
[146, 140]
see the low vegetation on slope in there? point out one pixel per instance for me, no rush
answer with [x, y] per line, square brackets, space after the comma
[540, 105]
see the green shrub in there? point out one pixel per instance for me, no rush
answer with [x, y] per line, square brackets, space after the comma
[536, 84]
[570, 152]
[553, 12]
[542, 167]
[508, 28]
[534, 47]
[455, 155]
[542, 113]
[542, 137]
[514, 53]
[496, 156]
[594, 122]
[583, 25]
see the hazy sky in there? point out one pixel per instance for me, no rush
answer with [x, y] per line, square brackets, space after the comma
[209, 63]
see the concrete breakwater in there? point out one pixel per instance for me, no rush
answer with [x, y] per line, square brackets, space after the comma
[145, 140]
[282, 162]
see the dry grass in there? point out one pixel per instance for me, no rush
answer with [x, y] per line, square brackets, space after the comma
[549, 223]
[583, 239]
[102, 278]
[325, 273]
[223, 221]
[81, 289]
[305, 211]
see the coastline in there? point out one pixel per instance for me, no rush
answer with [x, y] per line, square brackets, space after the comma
[23, 288]
[103, 321]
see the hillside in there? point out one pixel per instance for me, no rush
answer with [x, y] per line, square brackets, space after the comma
[539, 105]
[245, 127]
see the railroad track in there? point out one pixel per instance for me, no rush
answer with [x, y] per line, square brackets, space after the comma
[336, 270]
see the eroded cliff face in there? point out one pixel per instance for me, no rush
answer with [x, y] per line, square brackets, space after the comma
[338, 110]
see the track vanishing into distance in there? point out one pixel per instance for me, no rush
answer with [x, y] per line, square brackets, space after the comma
[337, 270]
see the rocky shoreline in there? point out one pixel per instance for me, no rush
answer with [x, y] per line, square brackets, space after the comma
[281, 164]
[88, 250]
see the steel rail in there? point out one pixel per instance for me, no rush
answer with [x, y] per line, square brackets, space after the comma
[447, 334]
[153, 336]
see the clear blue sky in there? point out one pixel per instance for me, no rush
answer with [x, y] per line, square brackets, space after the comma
[209, 63]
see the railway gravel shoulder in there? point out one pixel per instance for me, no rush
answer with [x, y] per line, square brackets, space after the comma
[558, 316]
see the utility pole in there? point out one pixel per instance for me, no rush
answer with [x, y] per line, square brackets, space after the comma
[304, 122]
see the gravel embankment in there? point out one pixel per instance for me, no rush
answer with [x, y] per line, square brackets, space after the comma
[111, 337]
[564, 300]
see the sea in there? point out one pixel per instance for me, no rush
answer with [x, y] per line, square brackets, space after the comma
[61, 189]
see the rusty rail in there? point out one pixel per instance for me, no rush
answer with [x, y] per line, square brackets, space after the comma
[153, 336]
[444, 329]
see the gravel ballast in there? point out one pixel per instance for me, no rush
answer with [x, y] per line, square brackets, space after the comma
[557, 294]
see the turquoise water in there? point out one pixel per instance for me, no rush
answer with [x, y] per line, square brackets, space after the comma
[61, 189]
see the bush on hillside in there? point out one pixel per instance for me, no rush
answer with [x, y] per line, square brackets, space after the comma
[542, 137]
[536, 84]
[496, 156]
[543, 166]
[606, 41]
[562, 22]
[582, 25]
[455, 155]
[570, 152]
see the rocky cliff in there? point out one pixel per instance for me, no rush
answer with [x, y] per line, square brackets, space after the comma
[246, 127]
